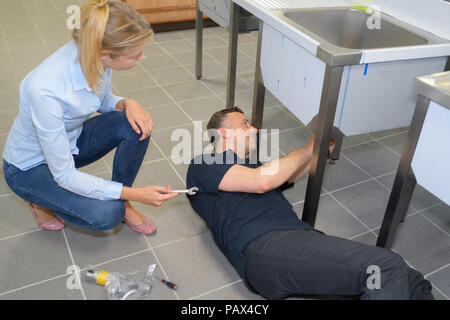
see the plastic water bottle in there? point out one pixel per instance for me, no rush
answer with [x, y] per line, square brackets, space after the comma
[120, 286]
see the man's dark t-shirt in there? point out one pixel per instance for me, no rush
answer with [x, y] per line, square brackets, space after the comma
[236, 218]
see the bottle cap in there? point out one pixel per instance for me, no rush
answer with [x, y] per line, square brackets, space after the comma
[101, 277]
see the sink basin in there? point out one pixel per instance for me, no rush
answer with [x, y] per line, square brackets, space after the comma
[342, 33]
[347, 28]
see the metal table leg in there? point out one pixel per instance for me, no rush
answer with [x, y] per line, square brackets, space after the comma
[198, 41]
[232, 53]
[258, 89]
[405, 180]
[327, 111]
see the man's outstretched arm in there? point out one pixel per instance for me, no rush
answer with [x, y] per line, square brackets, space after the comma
[268, 176]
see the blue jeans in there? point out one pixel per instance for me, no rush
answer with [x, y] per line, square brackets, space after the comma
[99, 136]
[309, 263]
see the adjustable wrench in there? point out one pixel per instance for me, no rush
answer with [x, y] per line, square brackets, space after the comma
[190, 191]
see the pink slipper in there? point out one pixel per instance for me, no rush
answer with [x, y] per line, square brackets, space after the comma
[53, 224]
[148, 227]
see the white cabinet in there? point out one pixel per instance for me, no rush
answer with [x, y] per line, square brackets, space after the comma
[431, 158]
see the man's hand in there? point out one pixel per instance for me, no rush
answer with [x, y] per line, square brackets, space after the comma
[306, 165]
[332, 145]
[139, 119]
[310, 145]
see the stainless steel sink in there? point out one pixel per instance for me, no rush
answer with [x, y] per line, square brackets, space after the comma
[347, 28]
[343, 32]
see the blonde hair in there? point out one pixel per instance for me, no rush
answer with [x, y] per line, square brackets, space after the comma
[111, 26]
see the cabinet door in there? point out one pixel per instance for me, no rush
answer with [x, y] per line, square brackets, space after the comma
[162, 11]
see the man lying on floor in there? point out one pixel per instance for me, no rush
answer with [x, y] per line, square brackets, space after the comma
[276, 254]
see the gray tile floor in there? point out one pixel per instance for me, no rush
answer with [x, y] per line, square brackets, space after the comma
[37, 264]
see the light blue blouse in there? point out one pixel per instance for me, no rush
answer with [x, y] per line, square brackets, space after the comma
[55, 100]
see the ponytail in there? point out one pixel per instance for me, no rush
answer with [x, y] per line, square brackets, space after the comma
[108, 25]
